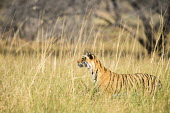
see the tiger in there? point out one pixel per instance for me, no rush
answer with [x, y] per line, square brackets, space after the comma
[114, 83]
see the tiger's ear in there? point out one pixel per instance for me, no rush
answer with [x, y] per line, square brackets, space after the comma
[90, 55]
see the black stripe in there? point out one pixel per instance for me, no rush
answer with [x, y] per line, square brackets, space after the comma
[135, 76]
[121, 82]
[142, 79]
[117, 82]
[131, 77]
[148, 78]
[125, 80]
[130, 81]
[112, 81]
[108, 83]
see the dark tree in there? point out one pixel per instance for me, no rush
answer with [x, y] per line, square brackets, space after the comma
[141, 7]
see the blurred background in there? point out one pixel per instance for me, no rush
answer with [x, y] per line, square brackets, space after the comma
[147, 21]
[41, 41]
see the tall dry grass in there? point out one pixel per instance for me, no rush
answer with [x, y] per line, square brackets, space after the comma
[44, 76]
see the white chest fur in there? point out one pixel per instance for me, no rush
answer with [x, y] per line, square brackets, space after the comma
[90, 67]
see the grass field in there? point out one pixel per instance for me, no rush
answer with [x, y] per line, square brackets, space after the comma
[44, 77]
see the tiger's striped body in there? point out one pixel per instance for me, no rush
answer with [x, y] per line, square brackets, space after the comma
[114, 83]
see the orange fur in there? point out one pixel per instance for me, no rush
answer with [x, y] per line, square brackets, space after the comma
[114, 83]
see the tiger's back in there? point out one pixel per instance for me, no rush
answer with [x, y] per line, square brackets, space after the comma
[116, 83]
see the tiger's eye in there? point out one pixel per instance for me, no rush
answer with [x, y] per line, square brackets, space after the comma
[83, 58]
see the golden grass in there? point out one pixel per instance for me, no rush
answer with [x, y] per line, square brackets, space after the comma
[44, 76]
[46, 82]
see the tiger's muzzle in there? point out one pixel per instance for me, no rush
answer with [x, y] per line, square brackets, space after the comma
[80, 65]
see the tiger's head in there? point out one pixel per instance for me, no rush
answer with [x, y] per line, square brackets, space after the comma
[87, 60]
